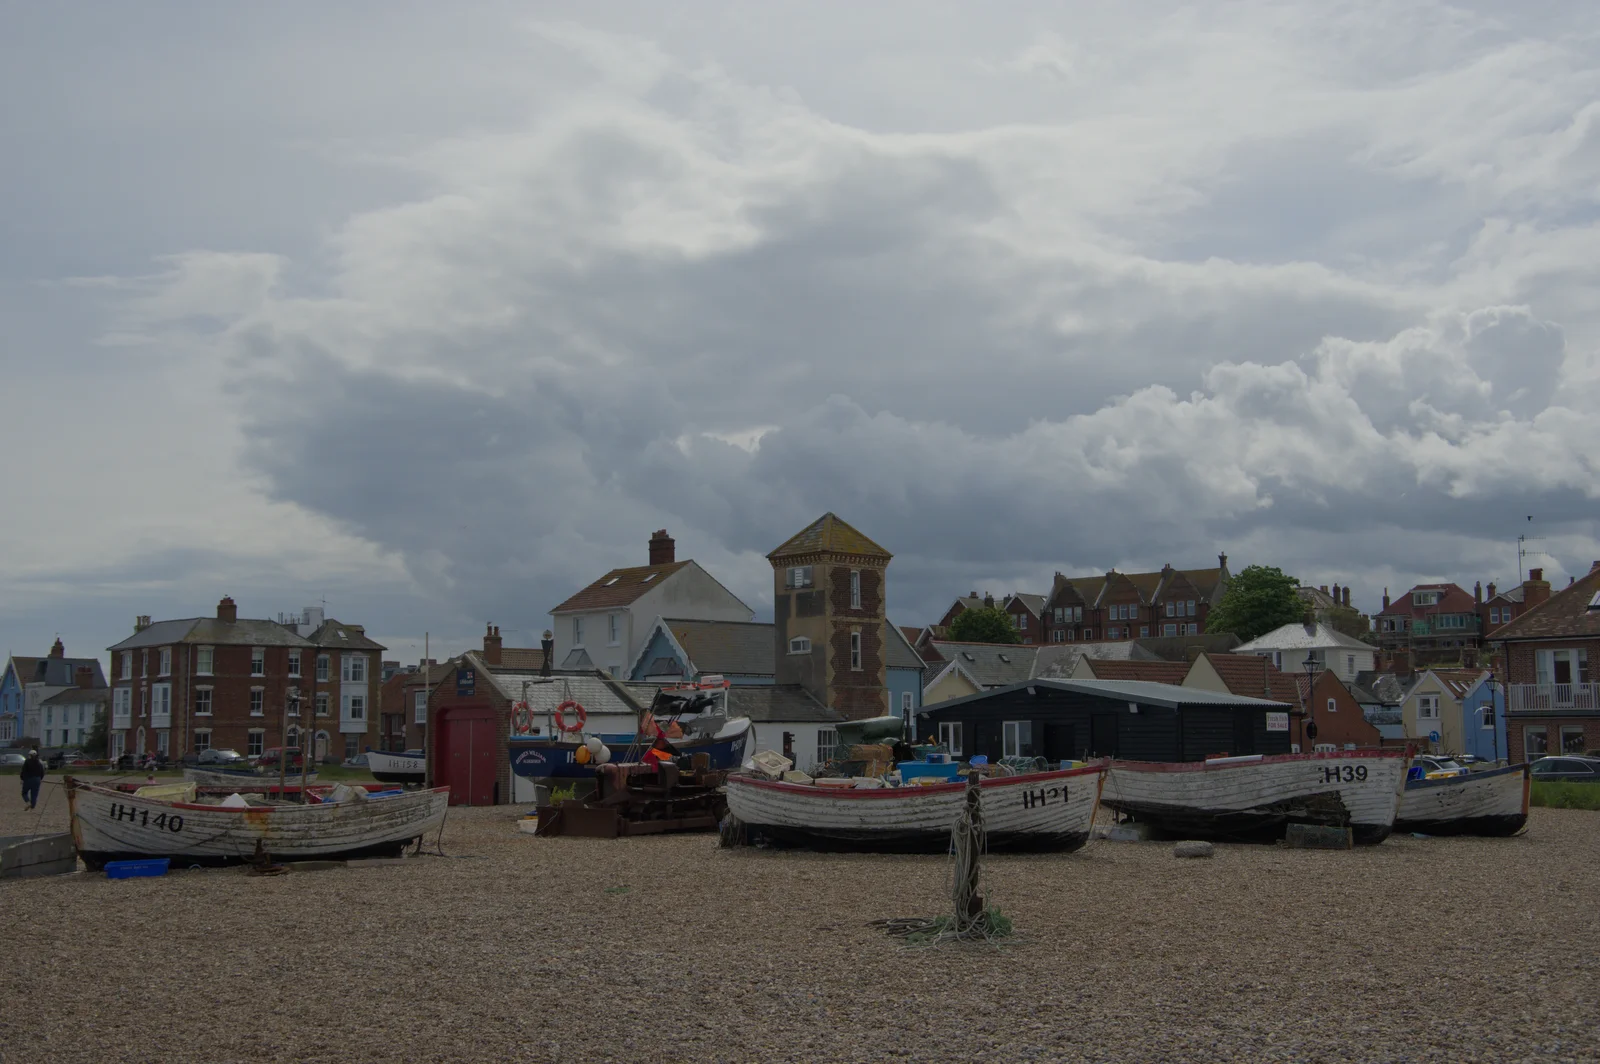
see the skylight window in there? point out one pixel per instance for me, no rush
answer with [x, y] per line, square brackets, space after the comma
[613, 580]
[1594, 603]
[649, 577]
[968, 655]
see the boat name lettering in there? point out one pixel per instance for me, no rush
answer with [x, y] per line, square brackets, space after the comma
[1344, 774]
[132, 814]
[1043, 796]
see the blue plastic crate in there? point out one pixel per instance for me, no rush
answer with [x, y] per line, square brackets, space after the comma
[155, 866]
[910, 770]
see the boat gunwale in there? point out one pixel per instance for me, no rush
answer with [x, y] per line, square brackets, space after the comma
[1452, 781]
[79, 785]
[1265, 759]
[917, 790]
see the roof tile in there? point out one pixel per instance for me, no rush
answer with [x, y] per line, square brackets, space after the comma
[619, 587]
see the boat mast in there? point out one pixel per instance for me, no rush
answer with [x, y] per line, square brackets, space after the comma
[427, 703]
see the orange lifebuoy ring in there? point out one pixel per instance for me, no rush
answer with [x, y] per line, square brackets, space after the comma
[521, 718]
[578, 710]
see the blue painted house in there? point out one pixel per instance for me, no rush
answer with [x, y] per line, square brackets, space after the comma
[905, 670]
[1483, 711]
[676, 649]
[12, 700]
[28, 682]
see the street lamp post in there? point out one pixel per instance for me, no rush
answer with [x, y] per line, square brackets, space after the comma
[1491, 712]
[1311, 721]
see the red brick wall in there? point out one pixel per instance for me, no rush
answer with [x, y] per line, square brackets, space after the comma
[857, 693]
[1346, 724]
[1517, 726]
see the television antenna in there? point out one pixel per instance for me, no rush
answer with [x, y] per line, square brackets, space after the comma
[1528, 548]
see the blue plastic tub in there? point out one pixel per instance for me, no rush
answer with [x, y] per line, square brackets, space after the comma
[384, 794]
[910, 770]
[155, 866]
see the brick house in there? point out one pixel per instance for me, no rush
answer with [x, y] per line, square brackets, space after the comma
[829, 617]
[1553, 699]
[1341, 722]
[184, 686]
[1431, 624]
[1026, 613]
[1119, 606]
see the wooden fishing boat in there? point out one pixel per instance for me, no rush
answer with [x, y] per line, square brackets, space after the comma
[241, 779]
[544, 760]
[1258, 796]
[395, 767]
[109, 825]
[1493, 802]
[1036, 811]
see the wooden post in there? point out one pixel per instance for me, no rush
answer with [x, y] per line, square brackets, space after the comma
[969, 903]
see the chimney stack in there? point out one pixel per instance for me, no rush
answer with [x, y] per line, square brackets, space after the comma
[1385, 598]
[1477, 592]
[227, 610]
[663, 548]
[141, 622]
[491, 645]
[57, 650]
[1222, 560]
[1347, 595]
[1323, 589]
[84, 676]
[988, 600]
[1536, 589]
[1491, 589]
[548, 645]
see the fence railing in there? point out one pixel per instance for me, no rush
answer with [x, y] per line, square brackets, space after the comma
[1535, 696]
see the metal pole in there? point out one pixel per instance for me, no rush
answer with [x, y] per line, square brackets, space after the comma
[305, 760]
[283, 749]
[427, 704]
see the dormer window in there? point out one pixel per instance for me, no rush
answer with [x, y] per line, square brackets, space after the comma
[1424, 598]
[799, 645]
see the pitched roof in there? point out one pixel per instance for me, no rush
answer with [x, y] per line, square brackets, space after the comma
[1180, 647]
[1057, 660]
[1458, 682]
[56, 672]
[829, 534]
[619, 587]
[991, 664]
[1375, 688]
[531, 658]
[596, 693]
[1256, 676]
[1574, 611]
[898, 653]
[73, 696]
[336, 635]
[743, 648]
[213, 632]
[778, 703]
[1034, 603]
[1297, 636]
[1452, 599]
[1167, 695]
[911, 633]
[1152, 587]
[1171, 672]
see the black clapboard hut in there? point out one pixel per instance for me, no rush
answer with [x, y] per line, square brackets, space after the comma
[1134, 720]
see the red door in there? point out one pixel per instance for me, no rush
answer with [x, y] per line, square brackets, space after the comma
[466, 758]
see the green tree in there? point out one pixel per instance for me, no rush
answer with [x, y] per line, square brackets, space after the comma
[984, 625]
[94, 743]
[1259, 598]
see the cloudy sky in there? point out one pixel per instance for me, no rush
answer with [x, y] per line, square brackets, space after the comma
[436, 311]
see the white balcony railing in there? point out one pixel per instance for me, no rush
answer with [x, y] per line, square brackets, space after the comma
[1527, 697]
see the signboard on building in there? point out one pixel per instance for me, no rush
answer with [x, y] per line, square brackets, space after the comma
[1277, 722]
[466, 683]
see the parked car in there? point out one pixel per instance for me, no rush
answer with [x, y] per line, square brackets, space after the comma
[270, 757]
[221, 757]
[12, 758]
[1434, 764]
[359, 761]
[65, 756]
[1569, 768]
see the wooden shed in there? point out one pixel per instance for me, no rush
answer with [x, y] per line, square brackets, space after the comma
[1131, 719]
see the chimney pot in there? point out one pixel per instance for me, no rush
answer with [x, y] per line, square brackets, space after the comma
[1491, 589]
[1477, 591]
[1535, 574]
[663, 548]
[491, 645]
[548, 645]
[57, 650]
[1385, 598]
[227, 609]
[84, 677]
[1222, 560]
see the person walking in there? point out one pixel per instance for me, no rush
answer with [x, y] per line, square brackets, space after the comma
[32, 777]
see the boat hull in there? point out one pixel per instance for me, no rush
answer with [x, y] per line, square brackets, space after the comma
[396, 768]
[243, 780]
[1041, 811]
[1493, 803]
[110, 825]
[1257, 798]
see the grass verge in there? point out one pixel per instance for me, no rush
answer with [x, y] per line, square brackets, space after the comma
[1560, 794]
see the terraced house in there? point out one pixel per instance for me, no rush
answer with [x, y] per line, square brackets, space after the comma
[28, 683]
[184, 686]
[1552, 695]
[1119, 606]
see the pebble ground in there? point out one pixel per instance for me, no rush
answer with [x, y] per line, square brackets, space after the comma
[514, 948]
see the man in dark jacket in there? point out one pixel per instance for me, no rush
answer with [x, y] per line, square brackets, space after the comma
[32, 777]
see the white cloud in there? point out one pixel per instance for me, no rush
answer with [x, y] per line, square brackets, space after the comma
[1171, 283]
